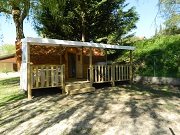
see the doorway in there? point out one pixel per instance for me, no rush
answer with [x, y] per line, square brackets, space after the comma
[71, 65]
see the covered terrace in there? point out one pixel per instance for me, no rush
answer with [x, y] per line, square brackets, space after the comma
[35, 76]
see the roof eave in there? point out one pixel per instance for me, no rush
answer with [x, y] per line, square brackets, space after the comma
[56, 42]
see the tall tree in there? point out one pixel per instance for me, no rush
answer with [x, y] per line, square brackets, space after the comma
[86, 20]
[7, 49]
[19, 10]
[170, 11]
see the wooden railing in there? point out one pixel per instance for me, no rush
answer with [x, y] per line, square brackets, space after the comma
[110, 73]
[44, 76]
[121, 72]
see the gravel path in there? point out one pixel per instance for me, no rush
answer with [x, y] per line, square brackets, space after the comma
[120, 110]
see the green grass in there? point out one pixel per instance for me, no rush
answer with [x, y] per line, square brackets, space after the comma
[154, 90]
[159, 56]
[9, 91]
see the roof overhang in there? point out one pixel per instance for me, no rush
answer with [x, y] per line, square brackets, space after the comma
[7, 56]
[56, 42]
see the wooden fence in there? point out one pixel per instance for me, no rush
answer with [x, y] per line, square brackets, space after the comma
[44, 76]
[110, 73]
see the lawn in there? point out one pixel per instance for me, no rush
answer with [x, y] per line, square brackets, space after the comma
[125, 109]
[9, 90]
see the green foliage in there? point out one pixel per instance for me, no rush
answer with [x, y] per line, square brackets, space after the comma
[6, 71]
[9, 91]
[18, 10]
[171, 30]
[170, 11]
[7, 49]
[159, 56]
[100, 21]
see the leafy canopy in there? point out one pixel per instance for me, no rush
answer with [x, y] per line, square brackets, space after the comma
[7, 49]
[87, 20]
[20, 9]
[170, 11]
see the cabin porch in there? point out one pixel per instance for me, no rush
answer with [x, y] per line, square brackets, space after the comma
[46, 76]
[34, 76]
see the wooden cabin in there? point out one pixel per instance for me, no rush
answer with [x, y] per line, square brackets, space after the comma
[71, 65]
[8, 63]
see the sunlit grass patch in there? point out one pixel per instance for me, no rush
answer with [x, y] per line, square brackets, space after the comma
[9, 90]
[153, 90]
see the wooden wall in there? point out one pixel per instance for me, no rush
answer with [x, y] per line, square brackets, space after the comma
[43, 55]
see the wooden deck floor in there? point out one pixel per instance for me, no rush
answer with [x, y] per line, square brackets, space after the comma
[76, 81]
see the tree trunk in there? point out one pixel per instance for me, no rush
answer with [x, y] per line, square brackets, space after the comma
[83, 33]
[19, 24]
[83, 27]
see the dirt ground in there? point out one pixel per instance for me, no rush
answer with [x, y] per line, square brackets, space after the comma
[120, 110]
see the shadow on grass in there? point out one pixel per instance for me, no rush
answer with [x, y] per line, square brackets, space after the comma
[82, 112]
[9, 92]
[10, 81]
[10, 95]
[154, 90]
[63, 111]
[146, 100]
[12, 99]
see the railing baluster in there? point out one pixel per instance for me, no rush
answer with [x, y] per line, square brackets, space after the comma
[56, 75]
[122, 74]
[95, 76]
[105, 73]
[99, 73]
[41, 77]
[108, 74]
[32, 77]
[102, 73]
[117, 73]
[37, 74]
[52, 76]
[47, 76]
[126, 72]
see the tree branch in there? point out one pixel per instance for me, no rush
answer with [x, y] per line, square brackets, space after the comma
[26, 10]
[5, 10]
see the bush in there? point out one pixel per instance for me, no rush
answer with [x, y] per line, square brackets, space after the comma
[159, 56]
[6, 71]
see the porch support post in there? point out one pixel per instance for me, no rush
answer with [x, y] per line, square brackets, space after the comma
[106, 54]
[61, 55]
[82, 61]
[90, 65]
[130, 72]
[63, 78]
[29, 72]
[113, 75]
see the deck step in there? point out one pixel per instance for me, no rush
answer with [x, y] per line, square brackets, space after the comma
[73, 86]
[82, 90]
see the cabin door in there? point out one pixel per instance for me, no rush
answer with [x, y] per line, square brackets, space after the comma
[71, 65]
[79, 65]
